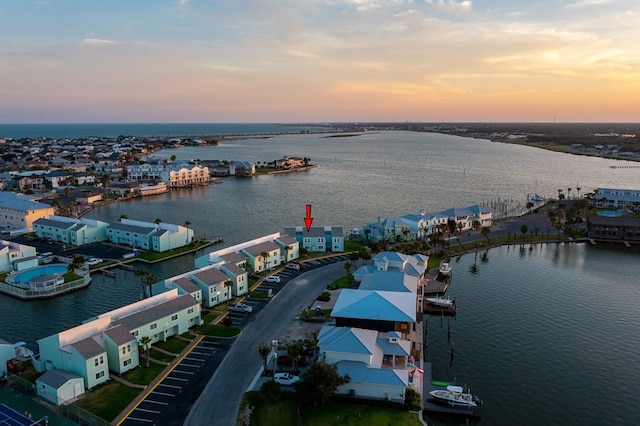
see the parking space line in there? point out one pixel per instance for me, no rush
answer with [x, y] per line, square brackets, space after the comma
[190, 365]
[136, 419]
[162, 393]
[177, 378]
[198, 353]
[156, 402]
[147, 411]
[183, 372]
[170, 386]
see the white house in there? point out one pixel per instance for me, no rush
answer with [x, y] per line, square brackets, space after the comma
[21, 211]
[158, 237]
[17, 257]
[378, 364]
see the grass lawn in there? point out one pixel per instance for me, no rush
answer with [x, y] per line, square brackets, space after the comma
[219, 330]
[143, 375]
[108, 400]
[172, 345]
[285, 413]
[160, 356]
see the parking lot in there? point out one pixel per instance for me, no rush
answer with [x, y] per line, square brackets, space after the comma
[171, 399]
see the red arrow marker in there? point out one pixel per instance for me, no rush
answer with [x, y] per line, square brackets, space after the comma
[308, 220]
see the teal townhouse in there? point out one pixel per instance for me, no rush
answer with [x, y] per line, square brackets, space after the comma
[110, 342]
[16, 257]
[260, 254]
[69, 230]
[318, 239]
[158, 237]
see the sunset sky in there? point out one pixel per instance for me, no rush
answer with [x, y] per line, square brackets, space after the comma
[83, 61]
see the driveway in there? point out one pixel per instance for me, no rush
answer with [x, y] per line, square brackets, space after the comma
[220, 401]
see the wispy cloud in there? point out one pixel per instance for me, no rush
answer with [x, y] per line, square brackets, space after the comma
[586, 3]
[97, 41]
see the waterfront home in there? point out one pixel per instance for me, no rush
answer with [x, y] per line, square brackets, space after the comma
[175, 175]
[60, 387]
[242, 168]
[21, 210]
[413, 227]
[16, 257]
[72, 231]
[110, 341]
[318, 239]
[212, 284]
[377, 363]
[623, 229]
[616, 199]
[158, 237]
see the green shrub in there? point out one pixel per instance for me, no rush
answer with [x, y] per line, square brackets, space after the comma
[325, 296]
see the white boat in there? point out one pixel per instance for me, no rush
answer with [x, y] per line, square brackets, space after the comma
[438, 301]
[454, 396]
[536, 197]
[21, 351]
[445, 268]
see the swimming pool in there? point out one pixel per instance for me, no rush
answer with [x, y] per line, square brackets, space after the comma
[612, 213]
[25, 277]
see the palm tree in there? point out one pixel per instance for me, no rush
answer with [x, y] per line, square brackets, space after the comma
[142, 273]
[187, 223]
[76, 263]
[145, 344]
[158, 220]
[150, 280]
[105, 184]
[367, 231]
[347, 267]
[523, 230]
[485, 231]
[405, 232]
[476, 224]
[264, 256]
[569, 193]
[264, 349]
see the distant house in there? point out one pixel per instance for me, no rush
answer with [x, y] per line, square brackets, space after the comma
[7, 352]
[623, 229]
[318, 239]
[60, 387]
[616, 199]
[242, 168]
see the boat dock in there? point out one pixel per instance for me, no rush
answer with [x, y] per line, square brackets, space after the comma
[431, 407]
[429, 308]
[433, 286]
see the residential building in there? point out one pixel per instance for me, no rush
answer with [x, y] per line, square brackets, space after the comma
[623, 229]
[318, 239]
[60, 387]
[616, 199]
[158, 237]
[242, 168]
[72, 231]
[110, 341]
[16, 257]
[21, 210]
[256, 255]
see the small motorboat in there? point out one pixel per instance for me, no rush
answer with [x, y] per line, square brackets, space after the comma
[22, 352]
[445, 268]
[536, 198]
[441, 302]
[455, 396]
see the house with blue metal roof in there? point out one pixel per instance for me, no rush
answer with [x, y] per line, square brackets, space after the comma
[378, 364]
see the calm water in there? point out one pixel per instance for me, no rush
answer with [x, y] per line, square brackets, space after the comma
[545, 336]
[549, 336]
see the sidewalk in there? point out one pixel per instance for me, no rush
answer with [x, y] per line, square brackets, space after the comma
[148, 389]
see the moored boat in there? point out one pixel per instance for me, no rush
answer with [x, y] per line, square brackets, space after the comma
[441, 302]
[536, 197]
[445, 268]
[455, 396]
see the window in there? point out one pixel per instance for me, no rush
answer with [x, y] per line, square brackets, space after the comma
[153, 326]
[135, 333]
[124, 350]
[190, 311]
[101, 359]
[127, 362]
[174, 317]
[99, 374]
[95, 361]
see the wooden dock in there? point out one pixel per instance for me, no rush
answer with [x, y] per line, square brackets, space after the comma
[434, 286]
[428, 308]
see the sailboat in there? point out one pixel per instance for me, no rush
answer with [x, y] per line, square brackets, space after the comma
[536, 197]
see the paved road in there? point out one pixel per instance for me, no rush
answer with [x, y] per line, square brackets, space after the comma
[220, 401]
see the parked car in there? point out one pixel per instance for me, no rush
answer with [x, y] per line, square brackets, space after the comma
[92, 261]
[241, 307]
[294, 266]
[272, 279]
[285, 379]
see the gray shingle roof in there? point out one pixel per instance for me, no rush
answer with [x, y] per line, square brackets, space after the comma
[211, 276]
[119, 335]
[88, 348]
[235, 257]
[187, 285]
[57, 378]
[54, 223]
[131, 228]
[259, 248]
[157, 312]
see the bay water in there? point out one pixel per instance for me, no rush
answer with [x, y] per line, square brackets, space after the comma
[547, 335]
